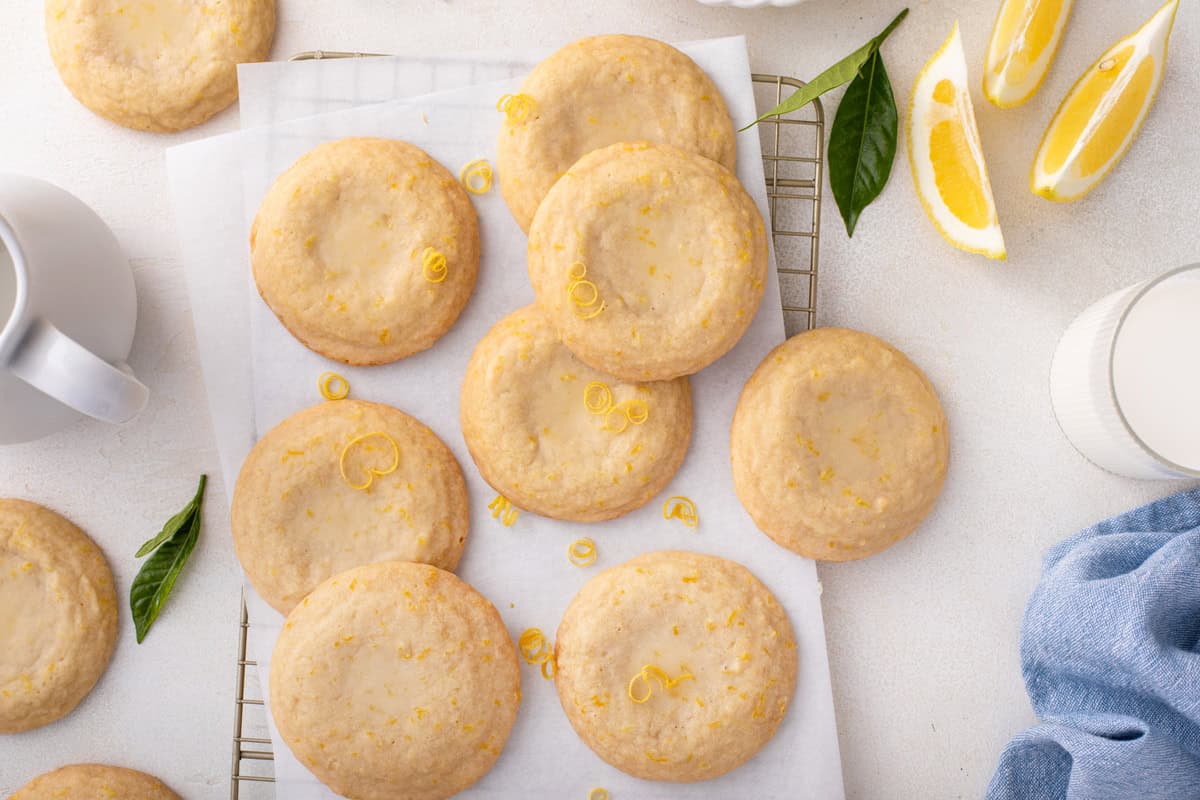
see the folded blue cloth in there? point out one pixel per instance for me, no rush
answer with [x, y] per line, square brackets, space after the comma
[1110, 651]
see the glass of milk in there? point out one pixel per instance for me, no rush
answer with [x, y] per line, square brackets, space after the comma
[1125, 381]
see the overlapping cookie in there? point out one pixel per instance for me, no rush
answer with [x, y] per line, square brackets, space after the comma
[598, 91]
[341, 484]
[561, 439]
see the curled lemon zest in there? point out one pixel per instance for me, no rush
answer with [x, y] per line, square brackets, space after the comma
[535, 648]
[637, 411]
[622, 420]
[589, 299]
[595, 312]
[582, 552]
[683, 509]
[433, 265]
[597, 397]
[589, 305]
[599, 793]
[333, 386]
[371, 472]
[504, 510]
[577, 271]
[476, 176]
[651, 671]
[517, 107]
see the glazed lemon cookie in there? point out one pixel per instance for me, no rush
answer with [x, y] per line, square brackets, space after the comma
[839, 445]
[395, 681]
[93, 782]
[340, 484]
[164, 65]
[598, 91]
[648, 260]
[675, 666]
[561, 439]
[366, 250]
[58, 616]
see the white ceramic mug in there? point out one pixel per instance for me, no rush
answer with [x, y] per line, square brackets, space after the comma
[68, 309]
[1125, 381]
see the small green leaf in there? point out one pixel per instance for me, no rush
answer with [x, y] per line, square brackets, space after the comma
[862, 142]
[833, 77]
[174, 523]
[155, 580]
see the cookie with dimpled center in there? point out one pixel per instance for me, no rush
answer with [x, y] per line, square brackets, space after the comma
[395, 681]
[598, 91]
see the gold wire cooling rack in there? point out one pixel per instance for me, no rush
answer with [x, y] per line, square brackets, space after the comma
[793, 156]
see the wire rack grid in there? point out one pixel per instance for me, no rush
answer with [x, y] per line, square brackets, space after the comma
[793, 155]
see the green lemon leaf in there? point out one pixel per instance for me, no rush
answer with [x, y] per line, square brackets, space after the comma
[155, 580]
[833, 77]
[862, 142]
[174, 523]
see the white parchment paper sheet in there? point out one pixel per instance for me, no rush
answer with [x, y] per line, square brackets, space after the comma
[522, 569]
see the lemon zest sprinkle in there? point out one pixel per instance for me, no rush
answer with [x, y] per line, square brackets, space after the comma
[582, 552]
[597, 397]
[587, 306]
[504, 510]
[599, 793]
[433, 265]
[333, 386]
[535, 648]
[651, 671]
[476, 176]
[683, 509]
[517, 107]
[371, 472]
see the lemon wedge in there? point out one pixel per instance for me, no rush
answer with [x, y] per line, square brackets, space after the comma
[946, 157]
[1103, 112]
[1024, 41]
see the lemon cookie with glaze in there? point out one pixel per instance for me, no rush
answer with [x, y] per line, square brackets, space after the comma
[366, 250]
[649, 261]
[395, 681]
[675, 666]
[599, 91]
[341, 484]
[561, 439]
[160, 66]
[92, 782]
[839, 445]
[58, 615]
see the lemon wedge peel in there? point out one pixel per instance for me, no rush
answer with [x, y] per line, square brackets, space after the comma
[1009, 77]
[987, 241]
[1151, 40]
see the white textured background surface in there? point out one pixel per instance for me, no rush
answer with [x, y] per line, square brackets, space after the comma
[922, 639]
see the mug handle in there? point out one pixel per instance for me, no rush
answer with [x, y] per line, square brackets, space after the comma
[53, 362]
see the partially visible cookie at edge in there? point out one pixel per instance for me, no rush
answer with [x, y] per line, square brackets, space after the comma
[561, 439]
[340, 484]
[366, 250]
[58, 615]
[95, 782]
[162, 66]
[598, 91]
[839, 445]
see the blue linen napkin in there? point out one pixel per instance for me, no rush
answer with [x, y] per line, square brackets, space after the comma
[1110, 651]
